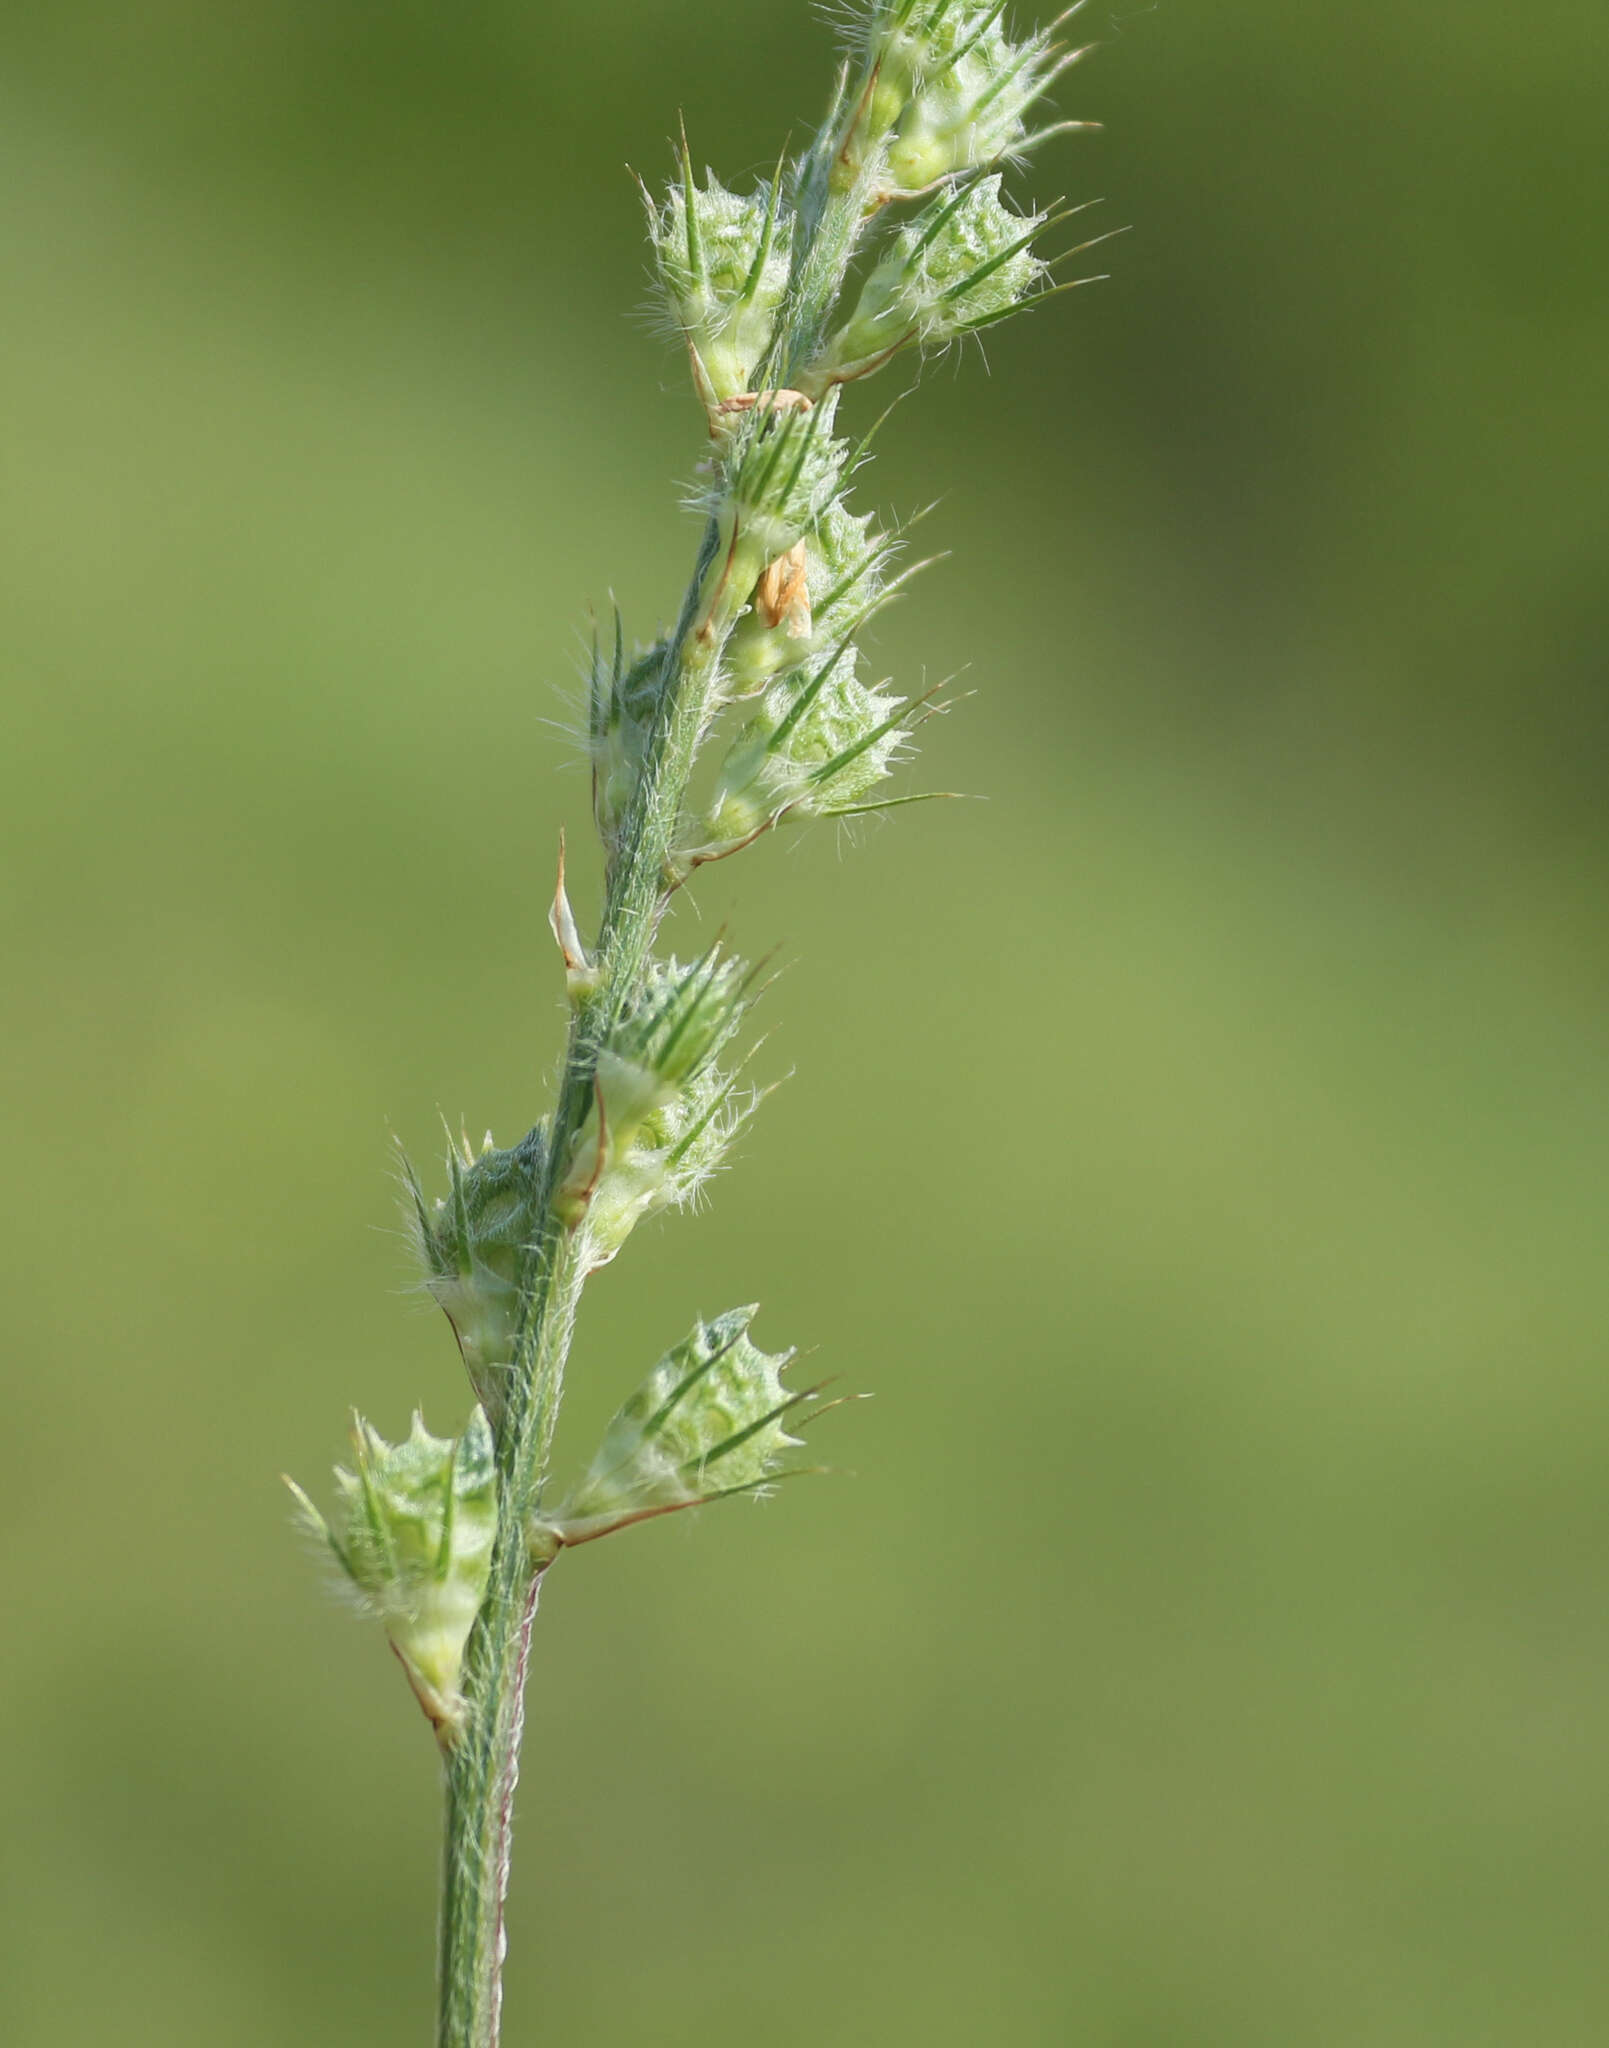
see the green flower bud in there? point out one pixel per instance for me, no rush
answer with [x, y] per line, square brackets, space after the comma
[815, 748]
[623, 699]
[968, 89]
[472, 1243]
[665, 1109]
[724, 263]
[777, 471]
[962, 263]
[920, 39]
[413, 1529]
[705, 1424]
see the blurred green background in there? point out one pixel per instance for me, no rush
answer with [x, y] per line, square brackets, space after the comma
[1199, 1147]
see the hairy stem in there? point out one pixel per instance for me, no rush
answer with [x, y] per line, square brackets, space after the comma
[483, 1767]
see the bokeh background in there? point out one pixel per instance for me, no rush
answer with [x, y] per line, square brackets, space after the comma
[1199, 1146]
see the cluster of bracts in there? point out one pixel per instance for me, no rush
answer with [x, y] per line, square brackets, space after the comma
[935, 100]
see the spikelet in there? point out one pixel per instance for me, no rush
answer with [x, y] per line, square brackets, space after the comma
[723, 265]
[954, 92]
[707, 1423]
[966, 261]
[623, 698]
[473, 1242]
[413, 1529]
[665, 1109]
[817, 747]
[777, 471]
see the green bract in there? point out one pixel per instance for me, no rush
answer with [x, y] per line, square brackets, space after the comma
[705, 1424]
[664, 1109]
[817, 747]
[965, 88]
[723, 261]
[919, 39]
[413, 1528]
[621, 704]
[779, 469]
[472, 1243]
[964, 262]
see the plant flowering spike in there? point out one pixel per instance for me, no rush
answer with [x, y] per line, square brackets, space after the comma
[446, 1540]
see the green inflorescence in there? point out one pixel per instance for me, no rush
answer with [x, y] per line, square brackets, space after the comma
[893, 231]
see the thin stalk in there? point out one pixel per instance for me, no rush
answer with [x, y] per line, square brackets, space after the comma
[483, 1767]
[837, 192]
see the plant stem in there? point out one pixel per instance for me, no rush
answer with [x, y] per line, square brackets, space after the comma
[483, 1766]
